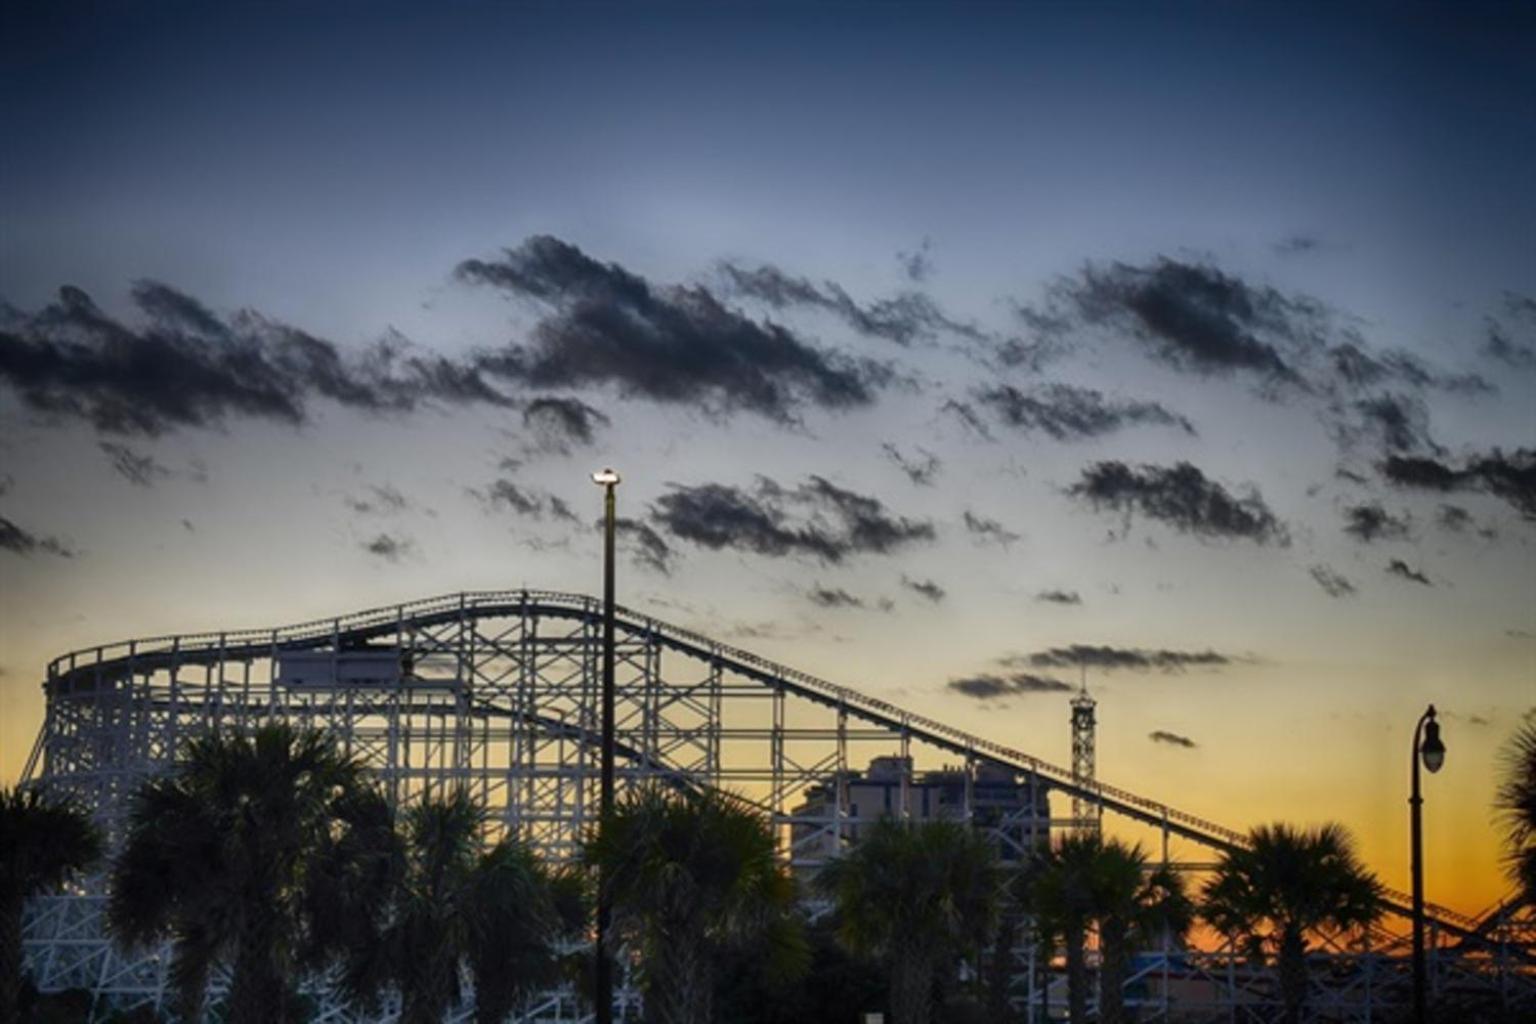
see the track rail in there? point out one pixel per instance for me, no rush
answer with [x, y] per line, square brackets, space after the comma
[70, 673]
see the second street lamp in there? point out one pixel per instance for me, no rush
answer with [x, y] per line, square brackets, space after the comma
[603, 963]
[1427, 748]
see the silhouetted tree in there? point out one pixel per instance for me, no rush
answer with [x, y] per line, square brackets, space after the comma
[43, 842]
[1065, 899]
[1516, 807]
[518, 909]
[216, 858]
[915, 897]
[1287, 884]
[690, 873]
[1134, 908]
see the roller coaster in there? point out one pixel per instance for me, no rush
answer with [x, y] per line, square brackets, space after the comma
[497, 692]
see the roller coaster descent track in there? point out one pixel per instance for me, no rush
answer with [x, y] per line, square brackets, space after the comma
[496, 692]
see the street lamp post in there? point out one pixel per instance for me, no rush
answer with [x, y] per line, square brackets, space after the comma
[603, 963]
[1427, 748]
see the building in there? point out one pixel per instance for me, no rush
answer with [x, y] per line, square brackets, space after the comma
[1013, 808]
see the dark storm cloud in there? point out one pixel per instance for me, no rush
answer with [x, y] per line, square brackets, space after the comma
[1398, 567]
[1182, 497]
[926, 589]
[1371, 522]
[20, 541]
[833, 597]
[1510, 477]
[388, 547]
[1333, 584]
[645, 545]
[987, 531]
[987, 686]
[1133, 659]
[187, 368]
[816, 518]
[560, 423]
[680, 345]
[1069, 413]
[904, 318]
[138, 469]
[384, 500]
[1172, 739]
[502, 494]
[1059, 597]
[1195, 317]
[920, 468]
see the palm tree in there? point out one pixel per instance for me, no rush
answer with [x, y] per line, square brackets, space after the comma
[42, 843]
[1065, 897]
[1134, 907]
[915, 896]
[410, 905]
[1516, 807]
[518, 909]
[216, 858]
[428, 936]
[690, 873]
[1286, 884]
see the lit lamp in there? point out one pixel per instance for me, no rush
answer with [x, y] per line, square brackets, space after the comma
[1428, 748]
[603, 963]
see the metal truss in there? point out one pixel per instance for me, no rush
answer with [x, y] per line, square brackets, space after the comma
[496, 692]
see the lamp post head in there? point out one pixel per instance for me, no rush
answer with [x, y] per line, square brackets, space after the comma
[605, 477]
[1432, 750]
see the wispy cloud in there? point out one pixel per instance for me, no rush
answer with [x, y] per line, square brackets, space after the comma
[1510, 477]
[1180, 496]
[186, 367]
[1069, 413]
[1398, 567]
[815, 518]
[904, 318]
[1371, 522]
[681, 345]
[139, 469]
[926, 589]
[987, 686]
[920, 468]
[20, 541]
[1133, 659]
[987, 531]
[1333, 583]
[388, 547]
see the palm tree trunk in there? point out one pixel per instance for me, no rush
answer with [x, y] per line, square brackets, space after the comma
[10, 958]
[1293, 975]
[258, 992]
[911, 985]
[1077, 971]
[1112, 971]
[680, 984]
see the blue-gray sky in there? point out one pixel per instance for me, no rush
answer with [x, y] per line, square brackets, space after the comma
[930, 339]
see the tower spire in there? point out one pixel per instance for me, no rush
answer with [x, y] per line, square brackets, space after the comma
[1085, 811]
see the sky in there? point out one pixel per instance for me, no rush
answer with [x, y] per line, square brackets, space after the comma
[952, 353]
